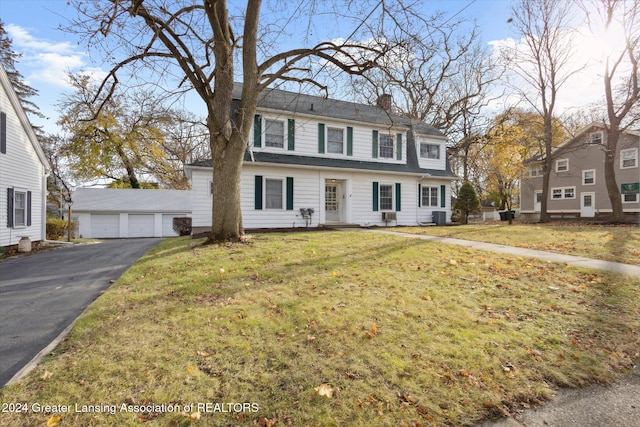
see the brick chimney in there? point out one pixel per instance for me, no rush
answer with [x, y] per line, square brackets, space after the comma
[385, 100]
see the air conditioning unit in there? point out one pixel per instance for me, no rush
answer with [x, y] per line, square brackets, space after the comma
[388, 216]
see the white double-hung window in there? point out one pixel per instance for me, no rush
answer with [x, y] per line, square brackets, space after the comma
[386, 146]
[335, 140]
[274, 133]
[429, 196]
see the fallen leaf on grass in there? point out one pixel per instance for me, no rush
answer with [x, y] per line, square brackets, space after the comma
[47, 375]
[53, 420]
[202, 353]
[265, 422]
[325, 390]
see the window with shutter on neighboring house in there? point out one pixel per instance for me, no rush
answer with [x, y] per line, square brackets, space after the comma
[18, 208]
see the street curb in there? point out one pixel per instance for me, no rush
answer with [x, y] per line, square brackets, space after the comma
[36, 359]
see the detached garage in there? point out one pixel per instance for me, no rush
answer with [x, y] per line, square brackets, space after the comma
[128, 213]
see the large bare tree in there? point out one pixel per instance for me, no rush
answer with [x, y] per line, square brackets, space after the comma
[207, 48]
[543, 60]
[618, 24]
[439, 73]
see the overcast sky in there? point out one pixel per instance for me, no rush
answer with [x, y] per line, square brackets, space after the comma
[49, 53]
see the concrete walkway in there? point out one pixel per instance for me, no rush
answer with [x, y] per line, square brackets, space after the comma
[616, 404]
[578, 261]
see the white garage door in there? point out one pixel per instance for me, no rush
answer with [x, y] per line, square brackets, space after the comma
[167, 224]
[141, 225]
[105, 226]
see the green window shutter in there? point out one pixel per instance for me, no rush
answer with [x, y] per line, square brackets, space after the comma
[321, 138]
[28, 208]
[9, 207]
[443, 196]
[291, 134]
[349, 141]
[257, 130]
[375, 196]
[374, 144]
[289, 193]
[3, 133]
[398, 197]
[257, 200]
[419, 195]
[399, 146]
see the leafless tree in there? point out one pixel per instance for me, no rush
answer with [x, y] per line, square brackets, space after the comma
[440, 73]
[543, 61]
[621, 79]
[202, 44]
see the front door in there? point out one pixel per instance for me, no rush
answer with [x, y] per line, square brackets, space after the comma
[332, 201]
[587, 205]
[537, 201]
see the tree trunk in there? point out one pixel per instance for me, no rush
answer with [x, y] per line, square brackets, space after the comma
[610, 175]
[226, 211]
[548, 162]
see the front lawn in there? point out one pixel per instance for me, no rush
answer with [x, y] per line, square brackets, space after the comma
[331, 329]
[620, 243]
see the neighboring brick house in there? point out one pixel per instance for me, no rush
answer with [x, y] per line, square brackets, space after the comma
[350, 163]
[577, 182]
[23, 172]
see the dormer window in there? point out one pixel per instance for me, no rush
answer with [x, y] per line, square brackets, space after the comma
[386, 147]
[429, 151]
[595, 138]
[335, 140]
[274, 133]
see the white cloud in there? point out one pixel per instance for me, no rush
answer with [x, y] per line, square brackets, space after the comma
[24, 40]
[44, 61]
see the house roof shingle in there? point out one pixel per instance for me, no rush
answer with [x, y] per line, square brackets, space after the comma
[331, 108]
[131, 200]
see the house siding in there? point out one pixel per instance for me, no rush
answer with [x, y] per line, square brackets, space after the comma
[21, 169]
[307, 134]
[582, 156]
[309, 192]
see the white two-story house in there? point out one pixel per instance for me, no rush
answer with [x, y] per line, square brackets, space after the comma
[23, 172]
[313, 161]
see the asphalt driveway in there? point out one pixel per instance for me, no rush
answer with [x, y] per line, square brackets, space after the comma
[41, 294]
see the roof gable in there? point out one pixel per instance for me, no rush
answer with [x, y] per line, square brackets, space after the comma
[22, 117]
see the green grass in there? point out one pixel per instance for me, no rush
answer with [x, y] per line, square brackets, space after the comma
[620, 243]
[398, 331]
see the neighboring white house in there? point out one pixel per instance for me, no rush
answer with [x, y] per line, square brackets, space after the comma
[122, 213]
[349, 163]
[23, 172]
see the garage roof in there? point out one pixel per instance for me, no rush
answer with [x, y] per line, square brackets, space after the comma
[131, 200]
